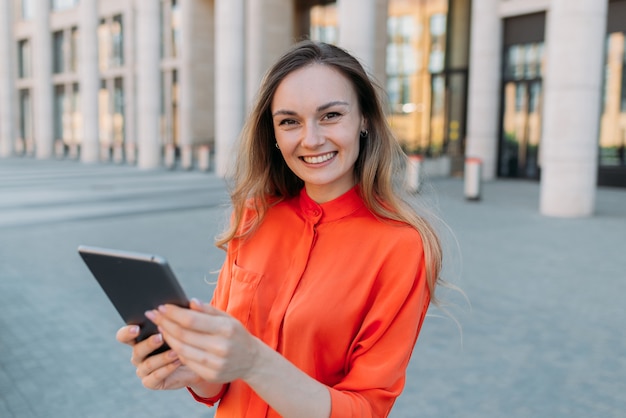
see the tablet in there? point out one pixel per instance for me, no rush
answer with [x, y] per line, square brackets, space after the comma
[134, 283]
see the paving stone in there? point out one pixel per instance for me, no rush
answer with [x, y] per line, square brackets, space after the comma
[543, 336]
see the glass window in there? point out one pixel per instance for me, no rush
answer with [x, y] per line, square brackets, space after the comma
[415, 65]
[76, 115]
[58, 111]
[27, 9]
[437, 117]
[111, 43]
[117, 42]
[58, 57]
[73, 58]
[175, 28]
[104, 45]
[105, 113]
[402, 61]
[59, 5]
[623, 83]
[118, 110]
[323, 26]
[175, 116]
[613, 119]
[521, 116]
[524, 61]
[436, 61]
[26, 122]
[24, 58]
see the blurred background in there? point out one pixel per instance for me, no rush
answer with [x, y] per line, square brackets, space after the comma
[117, 121]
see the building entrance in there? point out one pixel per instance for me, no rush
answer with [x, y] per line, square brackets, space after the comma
[520, 129]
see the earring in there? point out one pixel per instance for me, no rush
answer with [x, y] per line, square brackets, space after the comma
[364, 133]
[277, 147]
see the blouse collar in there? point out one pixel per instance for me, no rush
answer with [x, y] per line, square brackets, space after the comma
[333, 210]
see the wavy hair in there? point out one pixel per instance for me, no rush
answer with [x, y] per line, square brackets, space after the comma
[261, 177]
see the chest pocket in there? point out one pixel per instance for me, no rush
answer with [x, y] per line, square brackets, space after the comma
[243, 288]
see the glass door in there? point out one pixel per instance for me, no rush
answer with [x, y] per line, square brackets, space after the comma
[521, 112]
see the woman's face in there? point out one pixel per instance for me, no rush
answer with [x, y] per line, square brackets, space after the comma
[317, 122]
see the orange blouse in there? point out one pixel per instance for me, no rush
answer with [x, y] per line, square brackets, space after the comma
[338, 292]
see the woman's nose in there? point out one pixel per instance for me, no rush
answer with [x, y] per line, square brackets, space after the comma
[312, 136]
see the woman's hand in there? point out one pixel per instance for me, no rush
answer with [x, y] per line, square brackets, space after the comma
[217, 347]
[161, 371]
[211, 343]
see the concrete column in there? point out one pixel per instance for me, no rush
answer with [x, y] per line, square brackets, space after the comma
[148, 84]
[42, 80]
[484, 85]
[89, 79]
[185, 82]
[7, 79]
[357, 30]
[229, 79]
[269, 32]
[576, 31]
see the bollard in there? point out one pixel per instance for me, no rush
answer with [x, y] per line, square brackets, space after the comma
[204, 158]
[118, 153]
[186, 157]
[59, 148]
[472, 178]
[169, 160]
[414, 173]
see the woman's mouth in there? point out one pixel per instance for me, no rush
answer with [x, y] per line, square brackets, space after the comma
[318, 159]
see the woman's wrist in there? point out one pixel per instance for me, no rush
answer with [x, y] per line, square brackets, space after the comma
[206, 389]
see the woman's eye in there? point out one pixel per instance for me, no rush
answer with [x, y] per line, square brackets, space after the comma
[331, 115]
[287, 122]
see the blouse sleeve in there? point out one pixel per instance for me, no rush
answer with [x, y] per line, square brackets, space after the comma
[219, 301]
[379, 356]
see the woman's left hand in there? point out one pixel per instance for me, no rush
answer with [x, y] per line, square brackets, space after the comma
[210, 342]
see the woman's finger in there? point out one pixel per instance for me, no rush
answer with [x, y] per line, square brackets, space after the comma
[211, 322]
[157, 378]
[145, 347]
[156, 362]
[126, 335]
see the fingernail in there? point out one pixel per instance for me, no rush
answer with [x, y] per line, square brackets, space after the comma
[196, 301]
[150, 315]
[161, 308]
[134, 329]
[172, 354]
[158, 338]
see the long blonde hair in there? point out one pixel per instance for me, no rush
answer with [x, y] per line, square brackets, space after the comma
[261, 176]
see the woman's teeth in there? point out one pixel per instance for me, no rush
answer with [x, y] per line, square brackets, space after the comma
[319, 159]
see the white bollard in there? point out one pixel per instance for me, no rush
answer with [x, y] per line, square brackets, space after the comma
[118, 153]
[414, 173]
[169, 159]
[59, 149]
[204, 158]
[473, 168]
[186, 157]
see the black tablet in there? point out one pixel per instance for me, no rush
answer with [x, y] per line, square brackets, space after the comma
[134, 283]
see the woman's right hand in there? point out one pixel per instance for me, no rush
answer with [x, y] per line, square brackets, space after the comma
[162, 371]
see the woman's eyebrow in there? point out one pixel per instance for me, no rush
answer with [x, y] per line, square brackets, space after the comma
[319, 109]
[283, 112]
[331, 104]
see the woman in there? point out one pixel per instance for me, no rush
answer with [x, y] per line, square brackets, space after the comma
[328, 272]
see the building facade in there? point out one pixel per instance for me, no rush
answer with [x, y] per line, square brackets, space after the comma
[536, 89]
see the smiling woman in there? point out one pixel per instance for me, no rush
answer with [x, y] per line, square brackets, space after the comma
[328, 272]
[317, 123]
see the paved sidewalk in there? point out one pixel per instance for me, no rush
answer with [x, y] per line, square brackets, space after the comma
[544, 336]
